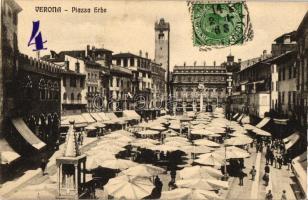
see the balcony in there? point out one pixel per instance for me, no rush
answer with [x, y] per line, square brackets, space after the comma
[92, 94]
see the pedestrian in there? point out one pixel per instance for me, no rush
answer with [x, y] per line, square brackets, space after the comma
[241, 177]
[266, 178]
[173, 175]
[43, 165]
[275, 160]
[81, 139]
[267, 157]
[253, 173]
[279, 160]
[267, 169]
[257, 147]
[271, 157]
[269, 195]
[284, 195]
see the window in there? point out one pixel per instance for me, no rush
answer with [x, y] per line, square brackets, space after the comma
[79, 97]
[143, 74]
[294, 71]
[64, 96]
[132, 62]
[290, 72]
[81, 82]
[89, 89]
[111, 82]
[77, 67]
[125, 62]
[118, 61]
[118, 82]
[282, 97]
[283, 74]
[73, 82]
[122, 83]
[64, 81]
[72, 97]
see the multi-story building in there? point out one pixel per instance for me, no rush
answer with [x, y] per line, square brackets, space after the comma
[302, 73]
[158, 86]
[121, 88]
[142, 76]
[186, 80]
[255, 83]
[91, 69]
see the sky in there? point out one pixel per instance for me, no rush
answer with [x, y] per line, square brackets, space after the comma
[128, 26]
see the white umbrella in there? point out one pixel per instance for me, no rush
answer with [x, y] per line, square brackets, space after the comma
[164, 148]
[96, 161]
[143, 170]
[145, 145]
[232, 152]
[239, 140]
[118, 164]
[177, 138]
[177, 143]
[98, 125]
[202, 132]
[216, 129]
[249, 127]
[188, 193]
[149, 132]
[196, 149]
[128, 187]
[211, 159]
[203, 184]
[175, 126]
[112, 142]
[90, 128]
[206, 142]
[147, 140]
[262, 132]
[157, 128]
[100, 152]
[108, 147]
[200, 172]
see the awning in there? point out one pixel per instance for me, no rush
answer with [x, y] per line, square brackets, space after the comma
[27, 134]
[97, 117]
[263, 122]
[131, 115]
[114, 119]
[103, 116]
[7, 154]
[163, 112]
[300, 170]
[261, 132]
[240, 118]
[78, 119]
[245, 120]
[88, 117]
[235, 116]
[291, 140]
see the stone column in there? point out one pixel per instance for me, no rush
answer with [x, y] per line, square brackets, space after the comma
[76, 181]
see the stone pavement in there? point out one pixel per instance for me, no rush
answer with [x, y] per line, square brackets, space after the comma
[12, 186]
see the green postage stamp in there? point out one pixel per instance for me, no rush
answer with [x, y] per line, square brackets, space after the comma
[218, 24]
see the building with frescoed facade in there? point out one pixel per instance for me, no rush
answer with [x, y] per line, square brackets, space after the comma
[159, 93]
[186, 79]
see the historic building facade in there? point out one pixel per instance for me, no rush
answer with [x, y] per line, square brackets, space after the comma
[159, 93]
[302, 72]
[186, 80]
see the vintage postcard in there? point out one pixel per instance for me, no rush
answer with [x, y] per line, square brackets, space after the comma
[160, 99]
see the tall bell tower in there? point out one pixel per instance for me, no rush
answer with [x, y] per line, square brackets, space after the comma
[162, 47]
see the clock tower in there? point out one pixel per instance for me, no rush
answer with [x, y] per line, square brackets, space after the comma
[162, 47]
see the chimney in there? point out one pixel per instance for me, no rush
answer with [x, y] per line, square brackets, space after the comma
[146, 55]
[195, 63]
[140, 53]
[93, 47]
[184, 64]
[214, 63]
[204, 63]
[239, 61]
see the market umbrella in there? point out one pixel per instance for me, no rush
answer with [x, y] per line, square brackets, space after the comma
[143, 170]
[94, 162]
[239, 140]
[157, 128]
[211, 159]
[147, 140]
[200, 172]
[100, 152]
[215, 129]
[177, 143]
[8, 156]
[112, 142]
[98, 125]
[196, 149]
[164, 148]
[177, 138]
[249, 127]
[90, 128]
[170, 133]
[203, 184]
[238, 133]
[108, 147]
[232, 152]
[202, 132]
[175, 126]
[119, 164]
[188, 193]
[145, 145]
[149, 132]
[115, 135]
[206, 142]
[262, 132]
[128, 187]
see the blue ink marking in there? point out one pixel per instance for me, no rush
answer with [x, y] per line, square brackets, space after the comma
[37, 36]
